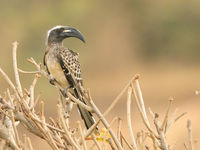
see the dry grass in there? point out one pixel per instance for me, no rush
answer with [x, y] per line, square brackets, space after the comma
[18, 106]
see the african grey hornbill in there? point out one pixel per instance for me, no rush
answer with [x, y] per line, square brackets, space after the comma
[63, 66]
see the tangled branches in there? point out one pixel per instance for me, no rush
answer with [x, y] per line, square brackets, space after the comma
[18, 106]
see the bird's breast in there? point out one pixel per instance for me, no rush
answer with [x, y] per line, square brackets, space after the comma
[55, 70]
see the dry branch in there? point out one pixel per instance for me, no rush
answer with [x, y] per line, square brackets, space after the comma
[18, 83]
[19, 106]
[129, 119]
[190, 139]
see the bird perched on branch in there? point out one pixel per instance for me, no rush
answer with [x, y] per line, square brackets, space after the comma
[63, 66]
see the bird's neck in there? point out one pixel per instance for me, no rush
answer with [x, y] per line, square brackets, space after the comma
[55, 44]
[53, 47]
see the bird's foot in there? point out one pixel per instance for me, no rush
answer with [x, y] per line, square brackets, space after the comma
[65, 91]
[52, 81]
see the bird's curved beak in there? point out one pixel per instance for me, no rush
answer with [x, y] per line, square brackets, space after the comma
[72, 32]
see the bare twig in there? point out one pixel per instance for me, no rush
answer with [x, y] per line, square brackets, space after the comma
[180, 116]
[123, 139]
[186, 147]
[79, 102]
[35, 102]
[7, 79]
[119, 128]
[15, 129]
[118, 97]
[72, 142]
[167, 114]
[171, 121]
[110, 143]
[12, 140]
[82, 136]
[144, 119]
[163, 143]
[4, 134]
[141, 137]
[190, 139]
[29, 143]
[28, 72]
[100, 115]
[141, 101]
[32, 87]
[95, 141]
[18, 83]
[91, 129]
[129, 118]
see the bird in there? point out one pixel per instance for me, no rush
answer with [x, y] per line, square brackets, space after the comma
[62, 64]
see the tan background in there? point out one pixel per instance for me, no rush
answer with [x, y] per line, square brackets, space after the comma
[157, 39]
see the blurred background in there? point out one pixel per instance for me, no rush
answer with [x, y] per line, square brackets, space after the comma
[157, 39]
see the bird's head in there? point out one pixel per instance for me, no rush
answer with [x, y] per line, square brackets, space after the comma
[58, 33]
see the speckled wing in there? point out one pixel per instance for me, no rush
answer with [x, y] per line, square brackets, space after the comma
[71, 66]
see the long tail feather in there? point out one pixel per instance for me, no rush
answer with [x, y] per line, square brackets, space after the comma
[87, 117]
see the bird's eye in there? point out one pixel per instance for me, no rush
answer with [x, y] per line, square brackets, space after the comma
[59, 30]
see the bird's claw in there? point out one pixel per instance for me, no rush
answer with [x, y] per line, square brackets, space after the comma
[52, 81]
[65, 91]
